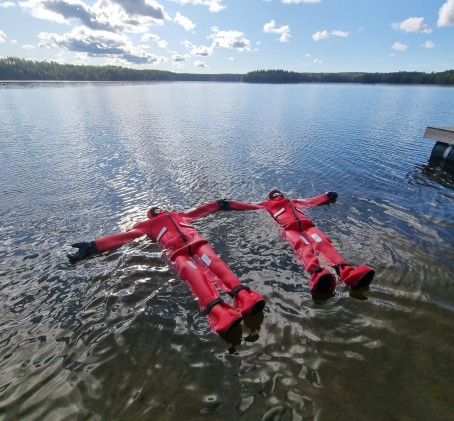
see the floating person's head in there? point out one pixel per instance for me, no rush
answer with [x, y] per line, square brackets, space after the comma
[154, 211]
[275, 193]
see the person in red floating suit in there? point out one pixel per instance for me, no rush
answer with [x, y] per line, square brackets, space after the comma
[194, 259]
[308, 241]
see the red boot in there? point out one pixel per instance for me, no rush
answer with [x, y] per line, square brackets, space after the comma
[249, 302]
[355, 277]
[222, 316]
[322, 280]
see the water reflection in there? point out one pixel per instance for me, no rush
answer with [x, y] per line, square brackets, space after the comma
[120, 337]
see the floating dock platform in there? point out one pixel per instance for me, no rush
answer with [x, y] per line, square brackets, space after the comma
[444, 136]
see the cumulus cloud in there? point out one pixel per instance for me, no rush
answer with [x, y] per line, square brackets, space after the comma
[399, 47]
[184, 22]
[178, 58]
[283, 31]
[213, 5]
[446, 14]
[230, 39]
[428, 44]
[154, 38]
[200, 64]
[6, 4]
[412, 25]
[2, 37]
[99, 44]
[321, 35]
[198, 50]
[110, 15]
[150, 37]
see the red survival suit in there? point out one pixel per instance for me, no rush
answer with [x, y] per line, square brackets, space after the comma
[308, 242]
[196, 262]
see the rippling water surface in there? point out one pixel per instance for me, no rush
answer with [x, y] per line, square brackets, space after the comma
[120, 336]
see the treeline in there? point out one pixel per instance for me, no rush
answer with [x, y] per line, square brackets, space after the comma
[406, 78]
[12, 68]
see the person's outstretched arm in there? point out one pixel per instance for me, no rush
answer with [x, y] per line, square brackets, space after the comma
[322, 199]
[110, 242]
[217, 205]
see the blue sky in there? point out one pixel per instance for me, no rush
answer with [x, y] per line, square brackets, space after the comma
[234, 36]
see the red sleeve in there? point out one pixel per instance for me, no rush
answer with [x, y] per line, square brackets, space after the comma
[202, 210]
[115, 241]
[313, 201]
[244, 206]
[214, 206]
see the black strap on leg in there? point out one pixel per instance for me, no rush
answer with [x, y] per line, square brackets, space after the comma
[338, 266]
[237, 289]
[316, 270]
[211, 304]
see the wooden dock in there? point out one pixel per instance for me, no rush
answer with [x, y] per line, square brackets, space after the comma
[444, 136]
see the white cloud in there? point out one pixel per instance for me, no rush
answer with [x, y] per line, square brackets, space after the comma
[412, 25]
[428, 44]
[230, 39]
[283, 31]
[446, 14]
[200, 64]
[198, 50]
[2, 37]
[109, 15]
[180, 57]
[82, 57]
[318, 61]
[299, 1]
[399, 47]
[150, 37]
[321, 35]
[342, 34]
[184, 22]
[213, 5]
[6, 4]
[318, 36]
[99, 44]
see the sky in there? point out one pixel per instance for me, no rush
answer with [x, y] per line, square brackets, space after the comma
[234, 36]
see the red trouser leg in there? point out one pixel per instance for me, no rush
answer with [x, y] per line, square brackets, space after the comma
[249, 302]
[304, 251]
[216, 265]
[193, 274]
[323, 245]
[221, 316]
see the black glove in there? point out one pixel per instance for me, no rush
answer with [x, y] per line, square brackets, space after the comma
[332, 196]
[224, 204]
[85, 250]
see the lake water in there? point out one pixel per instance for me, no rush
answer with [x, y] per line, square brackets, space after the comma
[120, 336]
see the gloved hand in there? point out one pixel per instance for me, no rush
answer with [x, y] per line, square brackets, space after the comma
[332, 196]
[224, 204]
[84, 250]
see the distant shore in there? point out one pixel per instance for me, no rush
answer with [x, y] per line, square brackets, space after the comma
[17, 69]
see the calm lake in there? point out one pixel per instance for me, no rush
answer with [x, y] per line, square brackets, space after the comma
[120, 337]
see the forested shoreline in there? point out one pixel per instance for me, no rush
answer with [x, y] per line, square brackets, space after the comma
[17, 69]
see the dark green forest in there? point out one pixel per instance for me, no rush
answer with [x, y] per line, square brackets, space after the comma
[12, 68]
[407, 78]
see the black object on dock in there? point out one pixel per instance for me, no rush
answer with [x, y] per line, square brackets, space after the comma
[444, 148]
